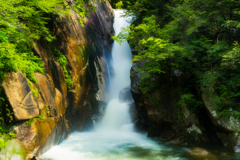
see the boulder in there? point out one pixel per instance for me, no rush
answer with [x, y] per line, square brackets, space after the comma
[20, 96]
[39, 136]
[125, 95]
[200, 153]
[227, 127]
[102, 108]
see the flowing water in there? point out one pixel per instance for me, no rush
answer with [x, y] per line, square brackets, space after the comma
[114, 138]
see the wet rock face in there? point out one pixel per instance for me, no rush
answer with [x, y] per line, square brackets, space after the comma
[125, 95]
[20, 96]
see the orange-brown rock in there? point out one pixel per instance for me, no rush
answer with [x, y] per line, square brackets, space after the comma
[34, 136]
[200, 153]
[20, 96]
[47, 89]
[53, 100]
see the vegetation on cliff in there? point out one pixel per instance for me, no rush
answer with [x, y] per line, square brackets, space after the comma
[193, 40]
[22, 23]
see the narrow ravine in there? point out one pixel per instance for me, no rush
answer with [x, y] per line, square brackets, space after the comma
[114, 137]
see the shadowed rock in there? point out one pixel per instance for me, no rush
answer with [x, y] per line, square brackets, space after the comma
[133, 112]
[199, 153]
[159, 112]
[227, 127]
[125, 95]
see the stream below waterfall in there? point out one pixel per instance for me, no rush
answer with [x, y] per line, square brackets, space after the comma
[114, 138]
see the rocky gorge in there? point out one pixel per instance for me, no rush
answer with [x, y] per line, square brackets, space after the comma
[46, 113]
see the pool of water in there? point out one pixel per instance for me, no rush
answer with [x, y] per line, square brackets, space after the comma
[122, 145]
[109, 145]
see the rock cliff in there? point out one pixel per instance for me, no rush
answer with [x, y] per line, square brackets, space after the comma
[46, 112]
[162, 115]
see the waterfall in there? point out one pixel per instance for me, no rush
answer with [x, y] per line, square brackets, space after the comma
[114, 138]
[117, 114]
[122, 58]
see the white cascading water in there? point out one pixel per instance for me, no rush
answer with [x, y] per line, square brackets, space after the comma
[114, 138]
[117, 114]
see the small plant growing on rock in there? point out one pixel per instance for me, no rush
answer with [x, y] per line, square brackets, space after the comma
[34, 93]
[47, 109]
[29, 122]
[9, 114]
[41, 117]
[12, 135]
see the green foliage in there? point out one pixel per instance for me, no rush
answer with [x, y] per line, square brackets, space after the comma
[82, 7]
[12, 135]
[41, 117]
[12, 150]
[2, 144]
[195, 41]
[24, 21]
[13, 58]
[35, 93]
[153, 99]
[29, 122]
[190, 102]
[6, 115]
[119, 5]
[232, 58]
[208, 81]
[47, 109]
